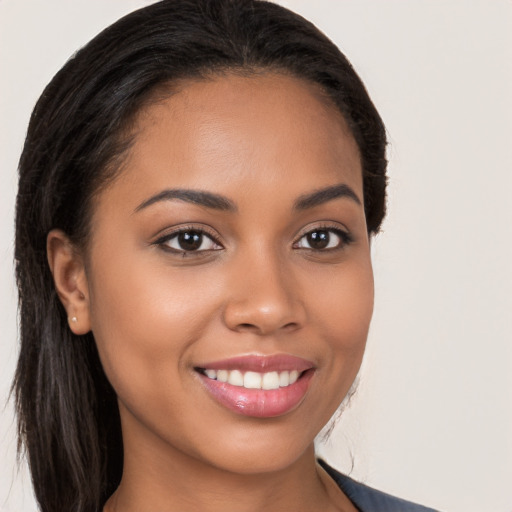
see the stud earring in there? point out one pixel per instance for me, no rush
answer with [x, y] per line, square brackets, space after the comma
[74, 319]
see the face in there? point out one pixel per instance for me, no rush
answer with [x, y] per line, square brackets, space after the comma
[229, 279]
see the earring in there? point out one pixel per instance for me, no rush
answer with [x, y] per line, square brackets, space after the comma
[74, 319]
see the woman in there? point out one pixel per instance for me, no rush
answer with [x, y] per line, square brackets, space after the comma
[198, 190]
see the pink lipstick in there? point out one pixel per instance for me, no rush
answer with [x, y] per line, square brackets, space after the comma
[258, 386]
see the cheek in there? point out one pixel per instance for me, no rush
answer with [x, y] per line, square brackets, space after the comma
[145, 318]
[342, 311]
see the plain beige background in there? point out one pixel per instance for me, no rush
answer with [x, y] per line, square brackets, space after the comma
[432, 419]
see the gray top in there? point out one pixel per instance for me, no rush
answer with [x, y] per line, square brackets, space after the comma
[367, 499]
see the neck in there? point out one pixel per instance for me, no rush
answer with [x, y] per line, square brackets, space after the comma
[157, 476]
[195, 486]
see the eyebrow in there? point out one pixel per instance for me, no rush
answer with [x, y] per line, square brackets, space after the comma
[324, 195]
[200, 197]
[222, 203]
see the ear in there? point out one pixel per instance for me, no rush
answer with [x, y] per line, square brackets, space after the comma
[68, 270]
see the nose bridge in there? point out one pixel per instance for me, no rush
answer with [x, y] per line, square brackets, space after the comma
[263, 294]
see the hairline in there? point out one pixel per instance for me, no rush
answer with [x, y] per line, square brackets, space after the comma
[161, 92]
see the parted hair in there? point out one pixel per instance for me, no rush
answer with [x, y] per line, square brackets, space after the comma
[68, 418]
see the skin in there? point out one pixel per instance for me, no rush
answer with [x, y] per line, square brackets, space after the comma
[263, 142]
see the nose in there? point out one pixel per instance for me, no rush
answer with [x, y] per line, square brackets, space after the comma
[264, 297]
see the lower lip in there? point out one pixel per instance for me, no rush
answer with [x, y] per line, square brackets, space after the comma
[259, 403]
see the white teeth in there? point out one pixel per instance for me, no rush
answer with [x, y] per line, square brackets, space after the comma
[270, 380]
[236, 378]
[254, 380]
[212, 374]
[222, 375]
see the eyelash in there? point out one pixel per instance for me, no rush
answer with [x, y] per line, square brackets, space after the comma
[163, 241]
[345, 238]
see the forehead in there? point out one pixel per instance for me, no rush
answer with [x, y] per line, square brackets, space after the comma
[235, 131]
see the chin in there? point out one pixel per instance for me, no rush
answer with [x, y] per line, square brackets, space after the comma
[268, 459]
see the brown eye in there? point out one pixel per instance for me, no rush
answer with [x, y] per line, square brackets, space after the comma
[323, 239]
[189, 241]
[318, 239]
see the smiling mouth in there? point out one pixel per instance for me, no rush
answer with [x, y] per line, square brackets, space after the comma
[258, 386]
[253, 380]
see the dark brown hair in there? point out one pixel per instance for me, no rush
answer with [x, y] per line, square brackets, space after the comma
[67, 411]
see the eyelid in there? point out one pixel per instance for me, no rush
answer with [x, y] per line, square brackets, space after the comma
[336, 227]
[170, 233]
[322, 225]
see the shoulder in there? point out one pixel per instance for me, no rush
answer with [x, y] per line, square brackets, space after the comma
[367, 499]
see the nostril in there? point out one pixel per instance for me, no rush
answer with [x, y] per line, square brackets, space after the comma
[247, 326]
[259, 316]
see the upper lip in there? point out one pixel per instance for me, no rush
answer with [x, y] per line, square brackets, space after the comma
[261, 363]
